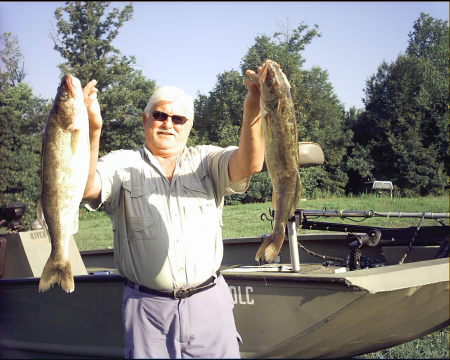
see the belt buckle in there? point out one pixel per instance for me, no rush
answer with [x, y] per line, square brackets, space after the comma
[181, 293]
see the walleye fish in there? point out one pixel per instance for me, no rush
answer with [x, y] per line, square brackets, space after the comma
[64, 171]
[281, 154]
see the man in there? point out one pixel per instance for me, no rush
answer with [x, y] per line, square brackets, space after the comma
[165, 201]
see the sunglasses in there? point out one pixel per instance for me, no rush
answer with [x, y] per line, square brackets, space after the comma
[162, 116]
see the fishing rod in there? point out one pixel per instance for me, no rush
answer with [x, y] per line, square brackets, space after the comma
[371, 213]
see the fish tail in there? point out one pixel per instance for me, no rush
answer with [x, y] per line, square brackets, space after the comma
[57, 272]
[40, 215]
[270, 248]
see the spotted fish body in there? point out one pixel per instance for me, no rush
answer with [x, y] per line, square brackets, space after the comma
[64, 171]
[281, 154]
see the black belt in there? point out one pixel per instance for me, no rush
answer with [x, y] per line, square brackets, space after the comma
[179, 293]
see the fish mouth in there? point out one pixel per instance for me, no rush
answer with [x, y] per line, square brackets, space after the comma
[263, 75]
[269, 70]
[67, 86]
[268, 83]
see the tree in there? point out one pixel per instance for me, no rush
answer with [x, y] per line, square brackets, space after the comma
[429, 40]
[11, 61]
[323, 122]
[122, 108]
[318, 111]
[22, 118]
[85, 34]
[405, 123]
[358, 161]
[219, 116]
[284, 47]
[84, 39]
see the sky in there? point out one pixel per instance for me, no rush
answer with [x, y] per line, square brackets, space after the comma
[187, 44]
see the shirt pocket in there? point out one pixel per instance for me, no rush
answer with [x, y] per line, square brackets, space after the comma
[143, 228]
[200, 202]
[142, 216]
[203, 221]
[196, 187]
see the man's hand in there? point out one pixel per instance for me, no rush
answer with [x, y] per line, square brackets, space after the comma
[92, 106]
[251, 103]
[249, 158]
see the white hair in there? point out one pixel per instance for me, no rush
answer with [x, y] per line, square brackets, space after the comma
[172, 94]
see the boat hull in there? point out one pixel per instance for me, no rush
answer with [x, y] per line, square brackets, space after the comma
[316, 313]
[350, 322]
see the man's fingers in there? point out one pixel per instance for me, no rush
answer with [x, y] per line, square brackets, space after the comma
[251, 78]
[90, 86]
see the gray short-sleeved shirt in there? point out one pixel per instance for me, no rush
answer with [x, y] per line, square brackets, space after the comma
[167, 235]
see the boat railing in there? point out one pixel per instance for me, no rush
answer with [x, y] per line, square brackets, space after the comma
[360, 235]
[371, 213]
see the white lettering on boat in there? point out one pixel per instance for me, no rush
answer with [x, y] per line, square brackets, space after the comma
[41, 234]
[241, 294]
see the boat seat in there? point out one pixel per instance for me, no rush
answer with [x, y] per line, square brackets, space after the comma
[310, 153]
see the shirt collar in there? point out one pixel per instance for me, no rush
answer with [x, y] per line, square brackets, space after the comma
[152, 159]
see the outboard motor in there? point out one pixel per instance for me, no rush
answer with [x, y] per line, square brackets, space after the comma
[11, 215]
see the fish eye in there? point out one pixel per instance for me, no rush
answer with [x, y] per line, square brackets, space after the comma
[270, 81]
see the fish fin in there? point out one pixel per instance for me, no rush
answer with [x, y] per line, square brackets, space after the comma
[269, 249]
[40, 215]
[298, 191]
[259, 257]
[74, 141]
[57, 272]
[274, 200]
[75, 223]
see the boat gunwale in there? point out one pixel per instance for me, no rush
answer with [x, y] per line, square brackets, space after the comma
[262, 276]
[232, 273]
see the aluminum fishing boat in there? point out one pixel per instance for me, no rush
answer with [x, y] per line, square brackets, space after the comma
[344, 291]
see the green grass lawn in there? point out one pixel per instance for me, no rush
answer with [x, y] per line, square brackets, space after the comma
[95, 232]
[245, 220]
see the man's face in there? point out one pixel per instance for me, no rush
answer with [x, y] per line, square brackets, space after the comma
[166, 136]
